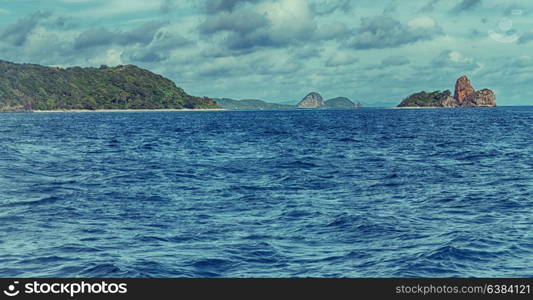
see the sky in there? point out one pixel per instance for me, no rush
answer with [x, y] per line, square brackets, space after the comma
[280, 50]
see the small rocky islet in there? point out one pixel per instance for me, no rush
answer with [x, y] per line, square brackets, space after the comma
[465, 96]
[312, 100]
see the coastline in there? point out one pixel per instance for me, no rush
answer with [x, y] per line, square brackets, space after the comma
[415, 107]
[433, 107]
[124, 110]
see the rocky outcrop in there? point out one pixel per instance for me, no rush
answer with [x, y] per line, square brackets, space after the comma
[465, 96]
[313, 100]
[446, 102]
[485, 97]
[463, 89]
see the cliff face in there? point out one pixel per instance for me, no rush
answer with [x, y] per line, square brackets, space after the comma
[465, 96]
[485, 97]
[313, 100]
[463, 89]
[35, 87]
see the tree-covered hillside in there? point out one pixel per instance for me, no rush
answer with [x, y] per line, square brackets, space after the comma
[35, 87]
[423, 99]
[341, 103]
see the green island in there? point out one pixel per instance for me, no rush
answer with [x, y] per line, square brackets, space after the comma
[424, 99]
[465, 96]
[30, 87]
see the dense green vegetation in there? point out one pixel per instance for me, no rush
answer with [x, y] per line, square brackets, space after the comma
[423, 99]
[35, 87]
[341, 103]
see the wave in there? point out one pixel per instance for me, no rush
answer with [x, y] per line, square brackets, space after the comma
[42, 201]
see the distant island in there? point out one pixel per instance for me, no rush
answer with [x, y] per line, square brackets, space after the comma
[312, 101]
[30, 87]
[341, 103]
[465, 96]
[315, 100]
[250, 104]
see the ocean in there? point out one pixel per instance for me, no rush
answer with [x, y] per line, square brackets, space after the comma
[296, 193]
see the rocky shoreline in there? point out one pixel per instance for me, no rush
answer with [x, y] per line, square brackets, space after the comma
[464, 96]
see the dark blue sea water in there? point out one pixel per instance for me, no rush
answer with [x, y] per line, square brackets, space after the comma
[358, 193]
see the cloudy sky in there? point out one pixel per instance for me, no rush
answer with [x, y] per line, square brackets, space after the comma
[279, 50]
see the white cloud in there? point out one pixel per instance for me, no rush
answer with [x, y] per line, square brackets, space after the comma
[341, 58]
[111, 57]
[289, 18]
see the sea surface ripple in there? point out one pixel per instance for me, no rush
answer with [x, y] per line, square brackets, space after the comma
[300, 193]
